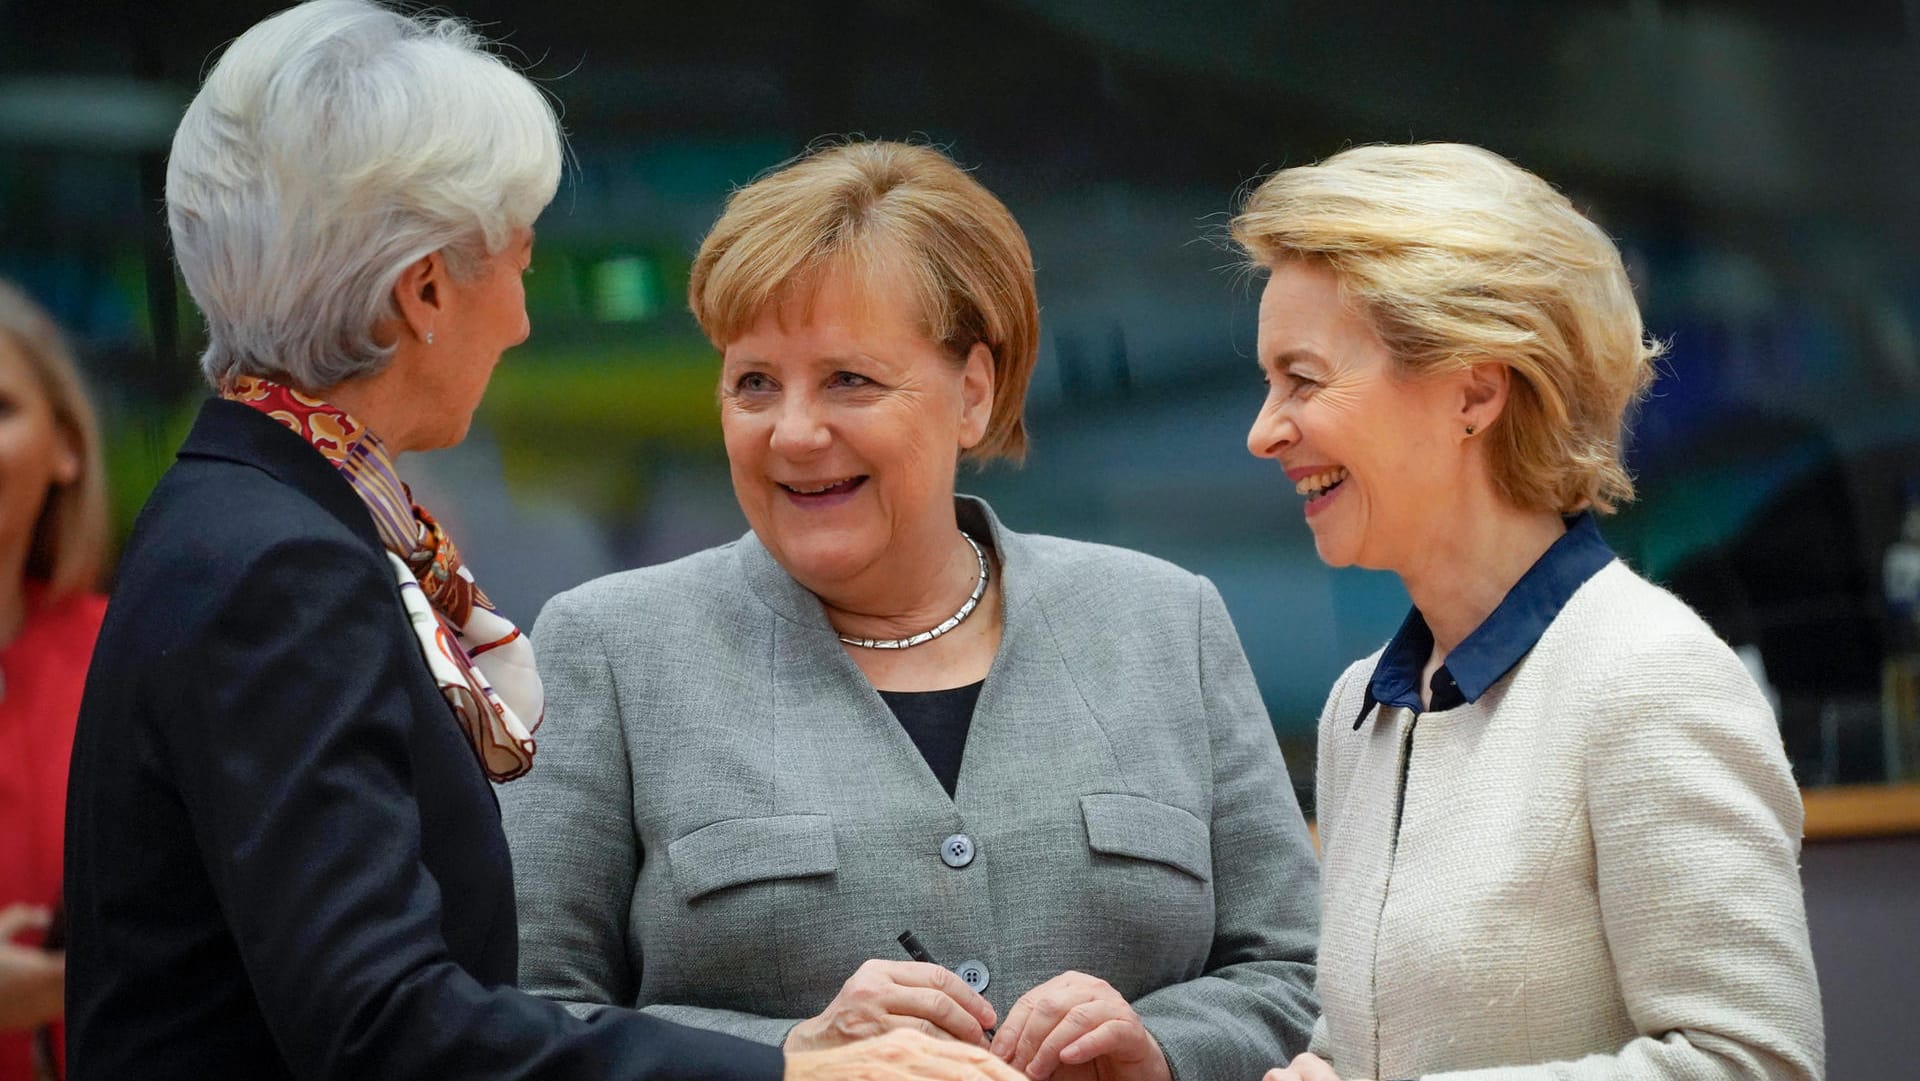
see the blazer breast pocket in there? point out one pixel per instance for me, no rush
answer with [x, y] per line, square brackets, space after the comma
[738, 851]
[732, 886]
[1136, 827]
[1152, 880]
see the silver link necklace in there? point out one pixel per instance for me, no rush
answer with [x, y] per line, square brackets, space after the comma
[952, 621]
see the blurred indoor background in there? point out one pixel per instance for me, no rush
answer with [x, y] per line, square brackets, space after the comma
[1756, 161]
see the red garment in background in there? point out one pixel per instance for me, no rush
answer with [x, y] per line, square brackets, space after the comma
[45, 667]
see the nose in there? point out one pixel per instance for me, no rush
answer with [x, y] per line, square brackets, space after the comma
[800, 429]
[1273, 431]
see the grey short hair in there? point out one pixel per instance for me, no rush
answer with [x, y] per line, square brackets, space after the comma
[331, 146]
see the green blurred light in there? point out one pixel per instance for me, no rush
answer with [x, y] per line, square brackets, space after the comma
[625, 290]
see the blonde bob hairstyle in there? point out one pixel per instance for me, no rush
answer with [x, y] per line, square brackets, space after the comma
[69, 543]
[879, 209]
[1456, 256]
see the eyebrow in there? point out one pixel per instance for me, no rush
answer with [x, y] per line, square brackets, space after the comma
[1288, 358]
[830, 360]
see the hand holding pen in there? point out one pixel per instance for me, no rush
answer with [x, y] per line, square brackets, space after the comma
[1074, 1025]
[911, 943]
[885, 995]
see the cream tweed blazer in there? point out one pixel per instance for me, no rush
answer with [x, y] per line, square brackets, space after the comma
[1595, 871]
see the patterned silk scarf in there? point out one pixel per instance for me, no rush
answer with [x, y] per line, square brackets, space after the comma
[481, 661]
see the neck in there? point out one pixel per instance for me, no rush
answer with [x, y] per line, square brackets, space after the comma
[1464, 570]
[13, 585]
[382, 404]
[917, 588]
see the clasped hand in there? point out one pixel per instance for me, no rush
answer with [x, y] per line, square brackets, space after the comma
[1074, 1027]
[882, 996]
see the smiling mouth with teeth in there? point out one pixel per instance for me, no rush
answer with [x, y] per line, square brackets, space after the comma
[1321, 483]
[834, 488]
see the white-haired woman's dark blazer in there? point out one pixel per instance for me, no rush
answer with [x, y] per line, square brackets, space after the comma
[283, 859]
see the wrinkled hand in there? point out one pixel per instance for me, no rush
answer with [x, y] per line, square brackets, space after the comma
[1308, 1067]
[1075, 1020]
[32, 981]
[900, 1055]
[882, 996]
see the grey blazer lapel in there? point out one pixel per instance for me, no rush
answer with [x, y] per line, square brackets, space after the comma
[829, 721]
[1011, 757]
[832, 723]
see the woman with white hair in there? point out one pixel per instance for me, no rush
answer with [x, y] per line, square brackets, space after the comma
[284, 858]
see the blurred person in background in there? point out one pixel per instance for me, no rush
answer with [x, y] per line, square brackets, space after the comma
[883, 710]
[284, 855]
[1560, 838]
[53, 540]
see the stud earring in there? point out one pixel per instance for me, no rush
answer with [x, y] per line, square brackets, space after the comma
[1470, 428]
[430, 342]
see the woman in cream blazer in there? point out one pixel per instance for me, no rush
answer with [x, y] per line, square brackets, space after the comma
[1559, 830]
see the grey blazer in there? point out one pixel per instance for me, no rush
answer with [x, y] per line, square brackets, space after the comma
[725, 819]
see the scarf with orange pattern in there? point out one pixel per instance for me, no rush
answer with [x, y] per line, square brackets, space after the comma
[481, 661]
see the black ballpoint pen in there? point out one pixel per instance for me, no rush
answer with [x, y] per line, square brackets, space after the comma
[915, 950]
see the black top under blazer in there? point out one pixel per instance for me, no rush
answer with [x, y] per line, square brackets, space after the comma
[282, 857]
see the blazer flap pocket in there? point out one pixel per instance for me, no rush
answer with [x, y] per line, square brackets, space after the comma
[1144, 829]
[740, 850]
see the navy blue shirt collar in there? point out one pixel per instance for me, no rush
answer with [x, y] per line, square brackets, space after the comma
[1499, 642]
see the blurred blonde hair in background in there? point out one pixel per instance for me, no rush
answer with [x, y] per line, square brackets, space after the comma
[69, 545]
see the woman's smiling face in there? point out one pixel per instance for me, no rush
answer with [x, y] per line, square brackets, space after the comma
[1374, 453]
[844, 424]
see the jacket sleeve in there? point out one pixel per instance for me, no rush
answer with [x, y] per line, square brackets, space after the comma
[748, 1026]
[575, 856]
[569, 823]
[1253, 1007]
[1696, 830]
[290, 731]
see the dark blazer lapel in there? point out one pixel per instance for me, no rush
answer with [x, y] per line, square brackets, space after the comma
[240, 433]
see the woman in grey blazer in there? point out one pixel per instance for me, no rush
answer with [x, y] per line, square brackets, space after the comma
[752, 776]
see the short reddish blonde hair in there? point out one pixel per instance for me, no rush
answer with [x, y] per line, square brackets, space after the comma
[1457, 256]
[883, 208]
